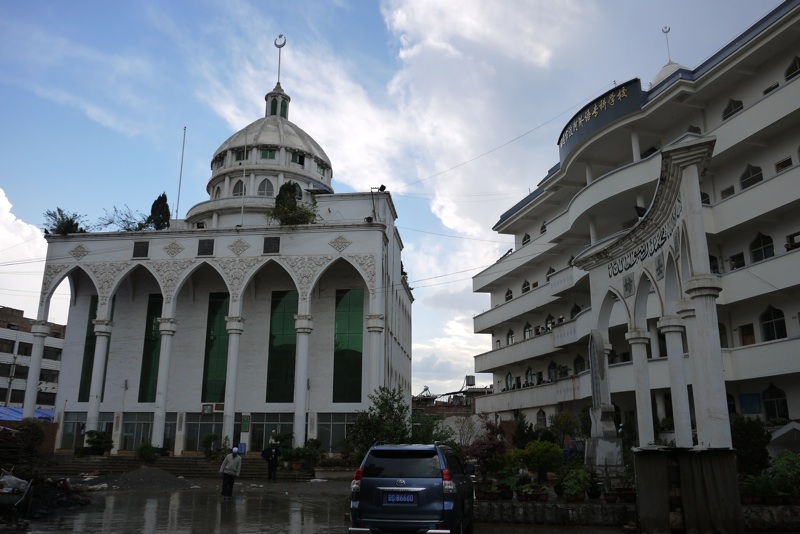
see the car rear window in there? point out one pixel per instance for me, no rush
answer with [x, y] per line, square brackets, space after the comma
[402, 464]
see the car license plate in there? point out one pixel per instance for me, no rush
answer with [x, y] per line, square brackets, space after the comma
[404, 498]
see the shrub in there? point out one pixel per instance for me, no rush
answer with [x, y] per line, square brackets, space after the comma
[147, 452]
[100, 442]
[576, 481]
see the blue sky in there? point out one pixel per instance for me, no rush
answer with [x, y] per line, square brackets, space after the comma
[455, 106]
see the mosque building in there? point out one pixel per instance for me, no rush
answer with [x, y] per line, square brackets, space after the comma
[232, 322]
[654, 279]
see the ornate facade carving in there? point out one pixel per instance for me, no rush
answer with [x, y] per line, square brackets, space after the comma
[106, 275]
[79, 252]
[367, 264]
[234, 271]
[173, 249]
[168, 274]
[239, 246]
[50, 273]
[340, 243]
[305, 269]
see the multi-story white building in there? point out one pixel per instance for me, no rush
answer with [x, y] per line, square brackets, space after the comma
[670, 229]
[227, 322]
[16, 348]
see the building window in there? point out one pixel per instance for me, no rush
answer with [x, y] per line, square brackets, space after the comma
[141, 249]
[267, 153]
[526, 239]
[151, 350]
[551, 372]
[509, 295]
[205, 247]
[273, 107]
[727, 192]
[529, 377]
[52, 353]
[215, 362]
[265, 188]
[200, 225]
[240, 154]
[543, 229]
[510, 337]
[731, 403]
[705, 199]
[526, 286]
[136, 429]
[298, 192]
[332, 430]
[773, 325]
[723, 336]
[733, 107]
[239, 189]
[284, 109]
[48, 375]
[527, 332]
[761, 248]
[747, 334]
[497, 344]
[217, 192]
[348, 345]
[298, 158]
[737, 260]
[783, 164]
[579, 364]
[282, 347]
[534, 285]
[509, 381]
[7, 346]
[272, 245]
[775, 405]
[320, 170]
[550, 271]
[751, 176]
[24, 348]
[576, 309]
[793, 69]
[541, 419]
[713, 264]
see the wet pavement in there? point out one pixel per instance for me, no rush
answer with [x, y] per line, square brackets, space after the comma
[286, 508]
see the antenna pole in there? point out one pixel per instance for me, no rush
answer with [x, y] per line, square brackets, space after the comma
[180, 175]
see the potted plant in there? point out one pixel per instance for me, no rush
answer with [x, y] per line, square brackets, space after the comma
[99, 442]
[575, 484]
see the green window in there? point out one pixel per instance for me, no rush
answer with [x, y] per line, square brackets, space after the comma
[348, 344]
[282, 347]
[273, 107]
[284, 108]
[148, 379]
[268, 154]
[88, 353]
[216, 357]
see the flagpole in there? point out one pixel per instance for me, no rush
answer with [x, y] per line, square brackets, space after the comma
[180, 176]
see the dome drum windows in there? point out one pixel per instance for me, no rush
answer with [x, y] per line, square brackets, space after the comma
[265, 188]
[240, 154]
[239, 189]
[298, 158]
[269, 153]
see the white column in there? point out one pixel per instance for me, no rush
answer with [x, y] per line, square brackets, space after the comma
[303, 324]
[672, 328]
[637, 153]
[709, 374]
[235, 326]
[589, 173]
[638, 341]
[655, 345]
[40, 331]
[592, 229]
[102, 331]
[375, 327]
[167, 328]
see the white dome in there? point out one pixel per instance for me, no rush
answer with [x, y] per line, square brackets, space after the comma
[666, 72]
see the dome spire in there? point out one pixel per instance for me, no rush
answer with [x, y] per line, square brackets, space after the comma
[277, 100]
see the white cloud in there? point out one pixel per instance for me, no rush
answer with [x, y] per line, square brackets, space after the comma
[23, 249]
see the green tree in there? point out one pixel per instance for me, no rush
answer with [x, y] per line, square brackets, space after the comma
[750, 438]
[386, 420]
[488, 449]
[288, 210]
[541, 457]
[159, 213]
[63, 222]
[427, 428]
[563, 424]
[523, 432]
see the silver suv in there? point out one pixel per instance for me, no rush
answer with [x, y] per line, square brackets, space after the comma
[412, 488]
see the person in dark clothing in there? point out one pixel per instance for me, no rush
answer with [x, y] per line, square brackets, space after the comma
[272, 454]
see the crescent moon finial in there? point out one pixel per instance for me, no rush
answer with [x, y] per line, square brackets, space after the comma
[665, 29]
[282, 44]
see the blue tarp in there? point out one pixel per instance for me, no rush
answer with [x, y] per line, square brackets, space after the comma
[15, 414]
